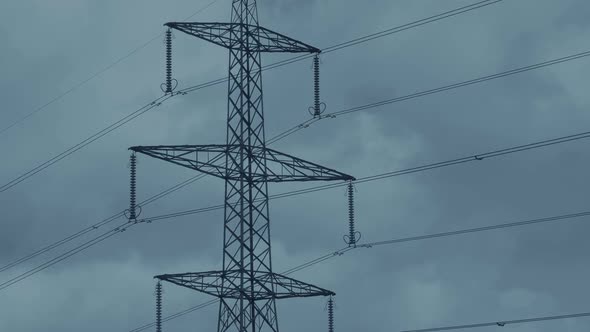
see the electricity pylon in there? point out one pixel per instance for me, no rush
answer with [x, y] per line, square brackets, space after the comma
[246, 286]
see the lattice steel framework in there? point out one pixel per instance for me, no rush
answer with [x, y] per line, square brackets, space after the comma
[246, 286]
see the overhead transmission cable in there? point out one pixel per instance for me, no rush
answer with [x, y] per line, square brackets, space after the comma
[176, 315]
[451, 162]
[104, 236]
[58, 243]
[98, 225]
[422, 168]
[427, 167]
[153, 104]
[300, 126]
[425, 93]
[139, 112]
[340, 252]
[311, 121]
[359, 40]
[95, 75]
[104, 222]
[280, 136]
[504, 323]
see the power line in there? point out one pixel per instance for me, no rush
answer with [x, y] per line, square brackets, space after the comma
[271, 141]
[427, 167]
[451, 162]
[390, 31]
[60, 242]
[503, 323]
[478, 229]
[415, 24]
[155, 103]
[176, 315]
[104, 222]
[139, 112]
[98, 225]
[468, 82]
[210, 208]
[95, 75]
[359, 40]
[342, 251]
[303, 125]
[106, 235]
[445, 88]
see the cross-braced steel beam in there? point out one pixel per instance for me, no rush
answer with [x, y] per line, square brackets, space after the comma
[274, 166]
[228, 35]
[267, 285]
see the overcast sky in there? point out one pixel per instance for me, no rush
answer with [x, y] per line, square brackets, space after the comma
[541, 270]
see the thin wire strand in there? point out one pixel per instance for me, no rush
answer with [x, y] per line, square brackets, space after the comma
[341, 252]
[479, 157]
[224, 80]
[427, 167]
[77, 147]
[441, 89]
[387, 32]
[98, 225]
[132, 116]
[452, 162]
[503, 323]
[106, 235]
[103, 132]
[356, 41]
[477, 229]
[93, 76]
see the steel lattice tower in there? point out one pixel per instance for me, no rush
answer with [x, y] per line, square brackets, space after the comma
[246, 286]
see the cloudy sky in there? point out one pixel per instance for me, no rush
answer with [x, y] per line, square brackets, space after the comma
[51, 46]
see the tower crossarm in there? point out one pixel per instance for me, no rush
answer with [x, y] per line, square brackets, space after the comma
[281, 167]
[209, 159]
[271, 165]
[232, 35]
[226, 284]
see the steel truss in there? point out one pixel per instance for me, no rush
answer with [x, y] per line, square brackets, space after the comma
[246, 286]
[274, 166]
[267, 285]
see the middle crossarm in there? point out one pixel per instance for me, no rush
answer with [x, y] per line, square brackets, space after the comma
[272, 165]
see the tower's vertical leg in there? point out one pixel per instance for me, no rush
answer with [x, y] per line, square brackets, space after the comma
[246, 245]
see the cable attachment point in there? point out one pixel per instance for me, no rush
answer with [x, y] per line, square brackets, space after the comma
[353, 236]
[127, 214]
[170, 85]
[132, 212]
[159, 306]
[318, 107]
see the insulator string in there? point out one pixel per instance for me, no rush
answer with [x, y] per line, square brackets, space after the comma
[353, 236]
[170, 84]
[132, 216]
[331, 314]
[318, 107]
[159, 306]
[316, 84]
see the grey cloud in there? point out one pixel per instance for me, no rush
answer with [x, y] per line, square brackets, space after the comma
[507, 274]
